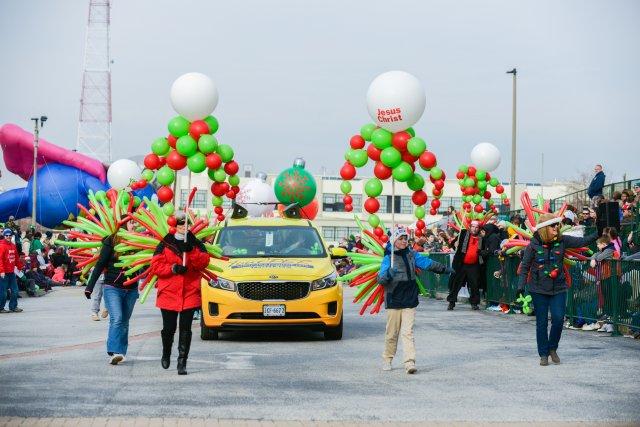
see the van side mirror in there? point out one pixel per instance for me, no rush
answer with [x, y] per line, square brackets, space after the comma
[338, 253]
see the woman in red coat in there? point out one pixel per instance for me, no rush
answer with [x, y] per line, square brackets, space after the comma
[178, 288]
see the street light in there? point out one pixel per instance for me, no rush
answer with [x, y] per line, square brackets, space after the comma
[513, 143]
[38, 123]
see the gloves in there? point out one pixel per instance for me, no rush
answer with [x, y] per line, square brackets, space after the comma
[449, 270]
[87, 294]
[178, 269]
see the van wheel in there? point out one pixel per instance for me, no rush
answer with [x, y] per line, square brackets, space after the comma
[206, 333]
[334, 334]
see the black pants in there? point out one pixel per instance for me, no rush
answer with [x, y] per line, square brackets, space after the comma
[170, 320]
[469, 273]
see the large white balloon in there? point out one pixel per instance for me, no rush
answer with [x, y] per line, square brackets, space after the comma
[485, 156]
[257, 197]
[194, 96]
[122, 172]
[396, 100]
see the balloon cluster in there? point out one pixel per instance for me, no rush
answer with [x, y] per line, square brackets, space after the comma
[476, 185]
[395, 156]
[192, 144]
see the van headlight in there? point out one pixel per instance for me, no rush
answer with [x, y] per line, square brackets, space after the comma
[324, 283]
[224, 284]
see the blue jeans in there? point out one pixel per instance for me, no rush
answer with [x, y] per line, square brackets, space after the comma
[9, 282]
[120, 304]
[557, 304]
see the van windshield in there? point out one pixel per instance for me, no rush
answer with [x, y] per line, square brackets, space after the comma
[266, 241]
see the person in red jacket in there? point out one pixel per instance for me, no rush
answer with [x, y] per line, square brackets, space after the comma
[178, 288]
[9, 260]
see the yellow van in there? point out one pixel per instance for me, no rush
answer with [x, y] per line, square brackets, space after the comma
[279, 276]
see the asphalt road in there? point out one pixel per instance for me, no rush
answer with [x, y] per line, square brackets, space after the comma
[473, 366]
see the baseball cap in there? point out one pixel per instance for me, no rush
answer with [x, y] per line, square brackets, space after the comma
[7, 232]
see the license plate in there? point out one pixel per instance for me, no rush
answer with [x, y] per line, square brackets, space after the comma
[275, 310]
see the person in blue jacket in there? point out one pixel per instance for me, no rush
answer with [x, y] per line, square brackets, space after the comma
[596, 185]
[401, 296]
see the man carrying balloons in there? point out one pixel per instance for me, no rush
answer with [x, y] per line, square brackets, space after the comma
[398, 276]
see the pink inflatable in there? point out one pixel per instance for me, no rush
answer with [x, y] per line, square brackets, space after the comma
[17, 147]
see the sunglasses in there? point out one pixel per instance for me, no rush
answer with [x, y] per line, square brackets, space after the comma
[556, 225]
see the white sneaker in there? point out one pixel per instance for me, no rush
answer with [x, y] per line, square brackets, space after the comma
[590, 327]
[94, 316]
[116, 358]
[386, 365]
[104, 313]
[410, 368]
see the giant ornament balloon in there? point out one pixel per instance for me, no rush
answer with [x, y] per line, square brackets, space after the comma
[485, 156]
[122, 172]
[257, 197]
[194, 96]
[295, 185]
[396, 100]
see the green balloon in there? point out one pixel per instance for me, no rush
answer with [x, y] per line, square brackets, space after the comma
[490, 202]
[216, 201]
[416, 146]
[148, 175]
[168, 209]
[197, 163]
[225, 152]
[469, 182]
[482, 186]
[186, 146]
[467, 198]
[461, 182]
[463, 168]
[234, 180]
[416, 182]
[373, 220]
[411, 132]
[476, 198]
[503, 196]
[295, 185]
[481, 175]
[390, 157]
[213, 123]
[125, 199]
[493, 182]
[160, 146]
[219, 175]
[366, 131]
[381, 138]
[345, 187]
[419, 212]
[178, 126]
[165, 175]
[211, 173]
[359, 158]
[207, 144]
[373, 187]
[402, 172]
[436, 172]
[136, 201]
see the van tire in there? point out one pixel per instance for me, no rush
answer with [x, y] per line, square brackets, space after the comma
[206, 333]
[334, 334]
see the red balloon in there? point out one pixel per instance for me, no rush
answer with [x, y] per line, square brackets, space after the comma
[384, 238]
[420, 224]
[418, 233]
[466, 206]
[371, 205]
[469, 191]
[432, 211]
[231, 168]
[381, 171]
[400, 140]
[310, 211]
[444, 176]
[152, 161]
[460, 175]
[220, 218]
[378, 231]
[427, 160]
[236, 189]
[435, 203]
[407, 157]
[487, 195]
[488, 177]
[439, 184]
[175, 161]
[348, 208]
[373, 152]
[357, 142]
[172, 141]
[165, 194]
[172, 221]
[472, 171]
[172, 230]
[218, 210]
[347, 171]
[219, 188]
[506, 202]
[197, 128]
[347, 200]
[478, 208]
[163, 161]
[436, 192]
[419, 198]
[213, 161]
[231, 194]
[499, 189]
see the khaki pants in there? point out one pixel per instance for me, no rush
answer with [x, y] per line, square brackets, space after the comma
[400, 322]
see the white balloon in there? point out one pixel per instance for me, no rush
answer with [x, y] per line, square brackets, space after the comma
[122, 172]
[257, 197]
[194, 96]
[396, 100]
[485, 156]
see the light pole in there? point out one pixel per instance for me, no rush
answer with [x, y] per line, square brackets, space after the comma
[513, 143]
[38, 123]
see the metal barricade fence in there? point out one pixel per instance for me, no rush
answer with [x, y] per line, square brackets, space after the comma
[435, 283]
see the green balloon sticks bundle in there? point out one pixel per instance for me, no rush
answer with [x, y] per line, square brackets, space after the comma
[395, 156]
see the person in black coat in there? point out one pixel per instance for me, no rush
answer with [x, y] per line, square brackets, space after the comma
[597, 184]
[466, 263]
[543, 273]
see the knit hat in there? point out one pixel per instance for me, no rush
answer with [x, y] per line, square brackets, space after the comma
[570, 215]
[399, 232]
[180, 218]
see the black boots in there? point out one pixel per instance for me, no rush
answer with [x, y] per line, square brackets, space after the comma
[167, 342]
[451, 306]
[184, 343]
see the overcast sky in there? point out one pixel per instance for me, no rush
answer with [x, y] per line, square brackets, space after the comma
[293, 75]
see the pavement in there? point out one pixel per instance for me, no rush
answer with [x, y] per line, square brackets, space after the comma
[473, 367]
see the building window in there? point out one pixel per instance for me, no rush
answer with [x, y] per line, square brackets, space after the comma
[199, 200]
[329, 233]
[339, 233]
[332, 202]
[405, 205]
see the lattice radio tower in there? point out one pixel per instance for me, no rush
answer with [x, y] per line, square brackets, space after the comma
[94, 124]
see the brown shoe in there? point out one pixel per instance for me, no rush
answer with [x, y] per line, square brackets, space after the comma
[544, 361]
[554, 357]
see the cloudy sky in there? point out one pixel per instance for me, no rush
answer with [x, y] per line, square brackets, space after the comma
[293, 75]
